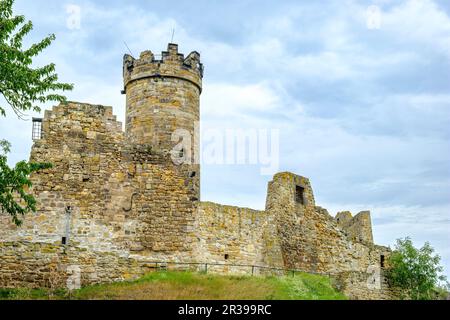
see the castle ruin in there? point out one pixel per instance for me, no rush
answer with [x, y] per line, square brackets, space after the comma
[115, 202]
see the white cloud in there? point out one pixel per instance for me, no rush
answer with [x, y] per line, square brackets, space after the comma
[225, 99]
[419, 21]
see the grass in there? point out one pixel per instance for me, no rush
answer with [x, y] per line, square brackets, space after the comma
[196, 286]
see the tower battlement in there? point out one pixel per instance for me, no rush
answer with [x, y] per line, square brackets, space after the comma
[172, 64]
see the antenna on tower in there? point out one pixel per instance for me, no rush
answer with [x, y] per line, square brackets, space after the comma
[173, 34]
[128, 48]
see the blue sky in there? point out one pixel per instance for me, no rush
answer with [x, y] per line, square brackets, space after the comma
[363, 112]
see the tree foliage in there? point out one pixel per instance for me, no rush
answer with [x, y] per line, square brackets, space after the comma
[21, 85]
[14, 183]
[416, 271]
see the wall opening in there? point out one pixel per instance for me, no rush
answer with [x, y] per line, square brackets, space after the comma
[65, 239]
[37, 129]
[226, 256]
[382, 260]
[300, 195]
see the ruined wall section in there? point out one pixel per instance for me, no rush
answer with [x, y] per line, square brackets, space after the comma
[105, 207]
[311, 239]
[358, 285]
[357, 228]
[83, 143]
[234, 235]
[26, 264]
[78, 224]
[102, 193]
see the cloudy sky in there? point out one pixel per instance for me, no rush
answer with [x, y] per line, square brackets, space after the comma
[359, 91]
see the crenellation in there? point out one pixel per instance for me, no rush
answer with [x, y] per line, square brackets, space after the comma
[172, 65]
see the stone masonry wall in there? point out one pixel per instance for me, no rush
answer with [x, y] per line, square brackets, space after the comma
[103, 194]
[39, 264]
[83, 143]
[234, 235]
[114, 192]
[357, 285]
[357, 228]
[161, 200]
[311, 240]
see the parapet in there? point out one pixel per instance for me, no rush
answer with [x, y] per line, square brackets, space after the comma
[79, 120]
[171, 65]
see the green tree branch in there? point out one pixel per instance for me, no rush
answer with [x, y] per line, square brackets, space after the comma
[23, 87]
[416, 271]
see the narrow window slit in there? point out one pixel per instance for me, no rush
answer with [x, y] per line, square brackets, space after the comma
[299, 195]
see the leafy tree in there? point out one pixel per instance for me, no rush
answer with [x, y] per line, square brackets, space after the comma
[13, 184]
[22, 87]
[416, 271]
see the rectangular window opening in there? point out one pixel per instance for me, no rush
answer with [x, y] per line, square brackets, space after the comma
[226, 256]
[382, 261]
[37, 129]
[64, 240]
[299, 195]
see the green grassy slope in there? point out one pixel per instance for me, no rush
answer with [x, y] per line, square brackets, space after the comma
[186, 285]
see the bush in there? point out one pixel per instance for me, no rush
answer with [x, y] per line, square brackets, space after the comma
[416, 271]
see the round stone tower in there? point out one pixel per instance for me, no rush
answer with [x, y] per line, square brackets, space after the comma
[162, 101]
[162, 148]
